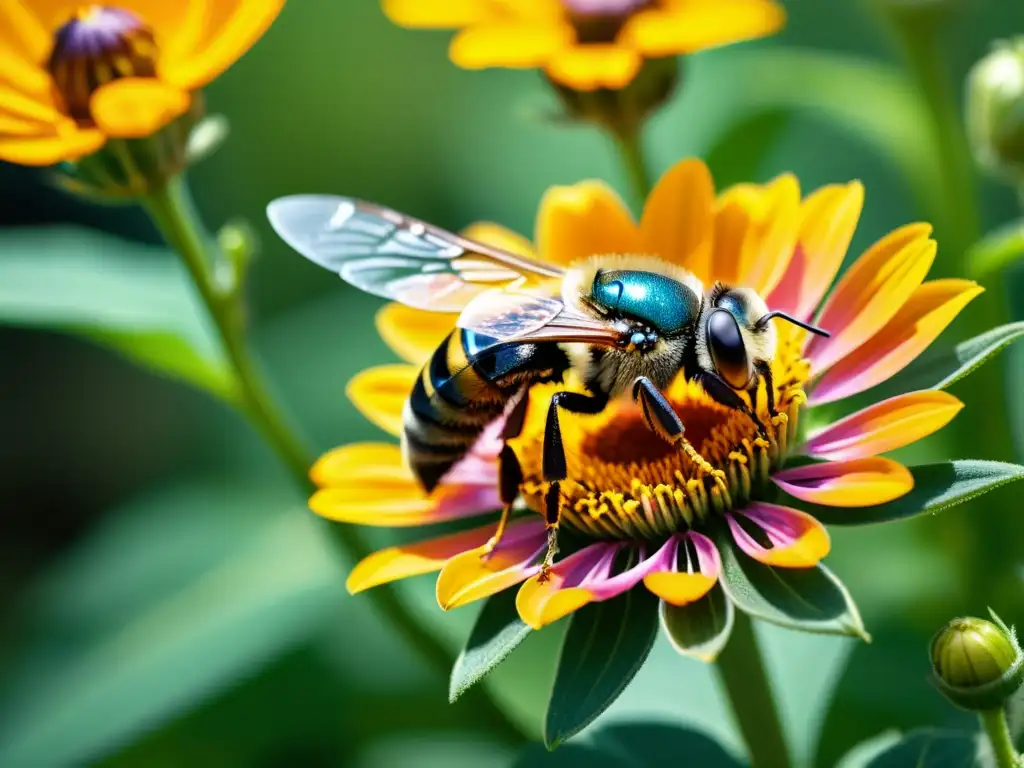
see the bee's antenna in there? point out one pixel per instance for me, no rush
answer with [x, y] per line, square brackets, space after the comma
[760, 324]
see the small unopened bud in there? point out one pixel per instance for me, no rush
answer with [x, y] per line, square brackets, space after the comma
[995, 110]
[239, 244]
[978, 664]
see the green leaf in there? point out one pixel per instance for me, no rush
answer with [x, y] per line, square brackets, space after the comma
[605, 647]
[699, 629]
[937, 487]
[133, 298]
[497, 632]
[634, 745]
[737, 153]
[807, 599]
[941, 370]
[172, 599]
[925, 748]
[995, 252]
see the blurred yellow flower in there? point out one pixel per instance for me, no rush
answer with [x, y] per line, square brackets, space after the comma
[586, 44]
[73, 76]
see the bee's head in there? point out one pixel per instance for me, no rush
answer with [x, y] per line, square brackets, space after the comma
[735, 332]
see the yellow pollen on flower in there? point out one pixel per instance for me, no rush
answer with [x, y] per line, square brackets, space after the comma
[625, 482]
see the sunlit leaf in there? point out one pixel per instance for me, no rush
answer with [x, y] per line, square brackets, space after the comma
[699, 629]
[178, 596]
[497, 632]
[997, 251]
[133, 298]
[936, 487]
[605, 647]
[808, 599]
[736, 154]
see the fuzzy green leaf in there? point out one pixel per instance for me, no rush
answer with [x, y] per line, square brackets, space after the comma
[497, 632]
[807, 599]
[605, 647]
[133, 298]
[936, 487]
[702, 628]
[925, 748]
[942, 369]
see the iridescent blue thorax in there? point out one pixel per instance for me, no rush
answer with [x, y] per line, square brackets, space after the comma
[665, 304]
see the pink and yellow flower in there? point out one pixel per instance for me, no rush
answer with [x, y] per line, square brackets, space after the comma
[586, 44]
[637, 514]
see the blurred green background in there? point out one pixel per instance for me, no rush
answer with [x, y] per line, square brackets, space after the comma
[166, 598]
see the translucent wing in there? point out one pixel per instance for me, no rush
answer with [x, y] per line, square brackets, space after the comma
[392, 255]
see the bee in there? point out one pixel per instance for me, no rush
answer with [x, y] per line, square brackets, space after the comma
[626, 325]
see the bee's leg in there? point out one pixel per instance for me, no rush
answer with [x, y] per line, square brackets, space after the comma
[510, 473]
[554, 466]
[764, 370]
[665, 422]
[729, 397]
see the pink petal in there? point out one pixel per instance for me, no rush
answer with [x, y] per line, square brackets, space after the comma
[850, 483]
[797, 539]
[680, 587]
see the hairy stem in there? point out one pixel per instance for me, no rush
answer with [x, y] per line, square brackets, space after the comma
[746, 685]
[993, 722]
[172, 211]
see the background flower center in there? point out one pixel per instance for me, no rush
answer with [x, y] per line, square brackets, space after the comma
[98, 45]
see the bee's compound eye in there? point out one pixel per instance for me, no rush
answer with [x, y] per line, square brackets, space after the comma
[728, 352]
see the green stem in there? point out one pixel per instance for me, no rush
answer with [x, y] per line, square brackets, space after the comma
[993, 721]
[631, 151]
[749, 691]
[175, 216]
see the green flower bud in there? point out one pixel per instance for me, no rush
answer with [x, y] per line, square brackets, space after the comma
[995, 110]
[977, 664]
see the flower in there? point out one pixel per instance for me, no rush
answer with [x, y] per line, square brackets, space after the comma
[74, 76]
[586, 44]
[636, 514]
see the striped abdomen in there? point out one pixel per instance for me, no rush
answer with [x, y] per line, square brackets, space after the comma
[459, 392]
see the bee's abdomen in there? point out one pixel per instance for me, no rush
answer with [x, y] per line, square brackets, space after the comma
[449, 407]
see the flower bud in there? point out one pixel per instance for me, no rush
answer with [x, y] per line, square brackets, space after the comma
[995, 110]
[977, 664]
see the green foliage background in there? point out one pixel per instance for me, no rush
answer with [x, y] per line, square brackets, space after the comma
[166, 600]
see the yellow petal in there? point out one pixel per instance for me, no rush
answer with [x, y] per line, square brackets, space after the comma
[931, 308]
[380, 394]
[756, 231]
[509, 44]
[677, 222]
[340, 465]
[413, 334]
[885, 426]
[871, 293]
[828, 219]
[593, 66]
[679, 588]
[495, 235]
[585, 219]
[225, 44]
[29, 107]
[850, 483]
[23, 74]
[438, 14]
[472, 575]
[136, 107]
[407, 560]
[20, 127]
[540, 604]
[49, 150]
[22, 29]
[797, 539]
[684, 27]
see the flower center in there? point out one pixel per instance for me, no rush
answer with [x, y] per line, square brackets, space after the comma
[624, 482]
[97, 45]
[599, 21]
